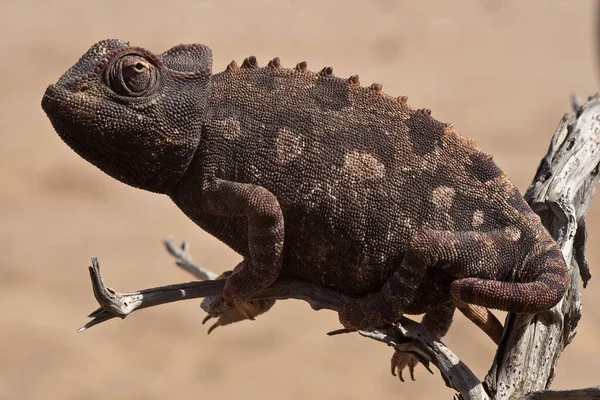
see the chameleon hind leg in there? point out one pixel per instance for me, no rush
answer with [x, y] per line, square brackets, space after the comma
[475, 259]
[438, 321]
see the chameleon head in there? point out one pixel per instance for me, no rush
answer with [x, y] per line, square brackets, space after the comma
[135, 115]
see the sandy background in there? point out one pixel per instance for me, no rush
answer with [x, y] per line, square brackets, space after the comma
[500, 71]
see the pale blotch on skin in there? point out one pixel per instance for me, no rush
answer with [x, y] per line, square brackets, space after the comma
[442, 197]
[513, 233]
[231, 127]
[477, 218]
[361, 166]
[485, 240]
[487, 244]
[288, 145]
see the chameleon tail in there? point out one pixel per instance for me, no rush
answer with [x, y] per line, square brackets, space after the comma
[539, 291]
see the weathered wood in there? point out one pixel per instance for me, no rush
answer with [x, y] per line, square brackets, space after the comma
[183, 259]
[560, 194]
[575, 394]
[407, 335]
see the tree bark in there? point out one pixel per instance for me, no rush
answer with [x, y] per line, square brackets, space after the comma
[561, 193]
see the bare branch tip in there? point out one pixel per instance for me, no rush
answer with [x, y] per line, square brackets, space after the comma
[94, 322]
[576, 103]
[340, 331]
[170, 246]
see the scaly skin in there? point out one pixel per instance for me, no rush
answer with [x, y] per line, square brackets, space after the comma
[314, 177]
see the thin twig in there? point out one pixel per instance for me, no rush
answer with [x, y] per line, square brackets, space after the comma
[184, 260]
[114, 304]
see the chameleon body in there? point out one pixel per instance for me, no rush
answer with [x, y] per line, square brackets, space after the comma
[315, 177]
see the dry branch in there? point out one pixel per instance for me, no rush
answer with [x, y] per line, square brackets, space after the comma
[524, 365]
[407, 335]
[561, 193]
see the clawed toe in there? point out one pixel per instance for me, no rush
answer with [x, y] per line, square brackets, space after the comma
[401, 360]
[246, 310]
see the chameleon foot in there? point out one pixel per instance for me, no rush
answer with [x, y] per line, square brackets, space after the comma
[229, 308]
[237, 293]
[240, 307]
[401, 360]
[252, 309]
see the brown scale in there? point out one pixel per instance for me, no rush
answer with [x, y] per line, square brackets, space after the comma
[377, 87]
[301, 66]
[326, 71]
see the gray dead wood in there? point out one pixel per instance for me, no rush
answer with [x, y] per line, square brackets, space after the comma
[526, 358]
[576, 394]
[561, 193]
[183, 259]
[407, 335]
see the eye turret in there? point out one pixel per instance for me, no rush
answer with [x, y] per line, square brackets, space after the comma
[131, 75]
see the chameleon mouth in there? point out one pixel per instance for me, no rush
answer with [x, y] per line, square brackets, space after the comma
[48, 100]
[61, 104]
[74, 118]
[54, 99]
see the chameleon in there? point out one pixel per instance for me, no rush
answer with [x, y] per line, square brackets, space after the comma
[314, 177]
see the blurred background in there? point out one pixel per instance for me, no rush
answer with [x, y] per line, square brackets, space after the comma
[500, 71]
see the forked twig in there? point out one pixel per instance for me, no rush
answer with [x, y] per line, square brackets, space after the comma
[114, 304]
[184, 260]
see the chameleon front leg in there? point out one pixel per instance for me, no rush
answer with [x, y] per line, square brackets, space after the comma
[437, 321]
[265, 233]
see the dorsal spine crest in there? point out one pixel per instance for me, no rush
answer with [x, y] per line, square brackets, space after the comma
[232, 66]
[250, 63]
[274, 63]
[301, 66]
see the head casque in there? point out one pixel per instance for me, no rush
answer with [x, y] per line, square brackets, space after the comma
[135, 115]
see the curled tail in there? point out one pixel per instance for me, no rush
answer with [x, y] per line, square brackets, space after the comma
[540, 289]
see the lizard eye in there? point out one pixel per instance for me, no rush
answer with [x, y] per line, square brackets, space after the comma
[131, 75]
